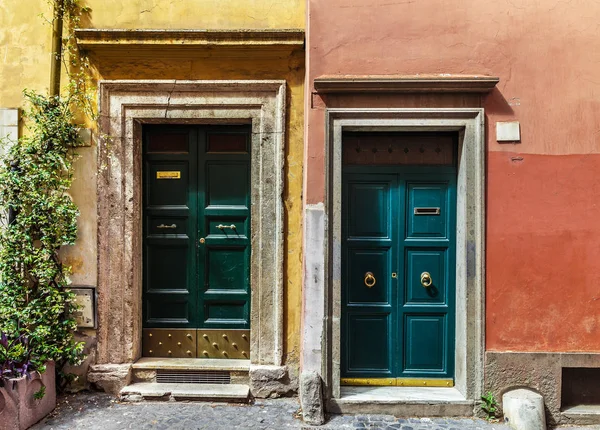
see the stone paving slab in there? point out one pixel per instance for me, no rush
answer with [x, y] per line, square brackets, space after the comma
[98, 411]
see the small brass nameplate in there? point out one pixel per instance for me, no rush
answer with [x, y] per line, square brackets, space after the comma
[168, 175]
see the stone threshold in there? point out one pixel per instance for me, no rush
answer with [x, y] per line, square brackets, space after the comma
[173, 392]
[402, 401]
[582, 414]
[151, 363]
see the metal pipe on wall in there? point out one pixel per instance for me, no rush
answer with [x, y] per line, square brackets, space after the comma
[57, 30]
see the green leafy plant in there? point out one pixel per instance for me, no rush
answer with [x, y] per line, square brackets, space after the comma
[35, 177]
[38, 395]
[15, 358]
[490, 406]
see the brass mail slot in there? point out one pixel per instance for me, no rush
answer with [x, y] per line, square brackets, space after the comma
[427, 211]
[168, 175]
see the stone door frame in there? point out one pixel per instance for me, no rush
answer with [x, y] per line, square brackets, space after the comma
[470, 238]
[125, 105]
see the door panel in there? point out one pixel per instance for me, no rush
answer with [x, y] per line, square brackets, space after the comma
[174, 310]
[361, 261]
[398, 222]
[369, 344]
[171, 277]
[369, 210]
[222, 313]
[170, 226]
[425, 339]
[427, 209]
[164, 187]
[196, 237]
[227, 184]
[227, 269]
[419, 261]
[368, 249]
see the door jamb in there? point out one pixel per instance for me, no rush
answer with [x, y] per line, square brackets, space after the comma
[470, 232]
[124, 106]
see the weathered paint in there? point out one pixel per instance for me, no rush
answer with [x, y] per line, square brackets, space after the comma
[25, 53]
[543, 243]
[541, 226]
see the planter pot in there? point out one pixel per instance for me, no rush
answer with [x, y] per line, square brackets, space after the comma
[19, 409]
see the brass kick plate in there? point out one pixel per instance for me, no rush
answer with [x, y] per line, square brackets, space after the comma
[175, 343]
[217, 343]
[196, 343]
[399, 382]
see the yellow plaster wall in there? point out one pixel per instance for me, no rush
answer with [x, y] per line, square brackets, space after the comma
[215, 14]
[25, 51]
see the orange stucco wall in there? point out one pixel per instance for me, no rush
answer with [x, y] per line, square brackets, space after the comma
[543, 233]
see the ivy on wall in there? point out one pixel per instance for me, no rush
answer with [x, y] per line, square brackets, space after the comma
[36, 173]
[35, 177]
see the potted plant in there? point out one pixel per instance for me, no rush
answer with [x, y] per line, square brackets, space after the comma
[37, 307]
[27, 386]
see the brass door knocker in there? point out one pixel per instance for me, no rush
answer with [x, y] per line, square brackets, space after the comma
[426, 280]
[370, 280]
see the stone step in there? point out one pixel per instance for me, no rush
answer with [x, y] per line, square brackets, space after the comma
[146, 369]
[199, 392]
[192, 364]
[402, 401]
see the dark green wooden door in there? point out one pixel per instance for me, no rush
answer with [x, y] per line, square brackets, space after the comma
[196, 227]
[398, 275]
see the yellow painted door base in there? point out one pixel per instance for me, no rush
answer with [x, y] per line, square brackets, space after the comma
[399, 382]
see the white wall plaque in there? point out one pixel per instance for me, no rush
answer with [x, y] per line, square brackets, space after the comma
[85, 298]
[508, 131]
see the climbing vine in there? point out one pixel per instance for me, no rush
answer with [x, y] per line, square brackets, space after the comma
[36, 173]
[35, 177]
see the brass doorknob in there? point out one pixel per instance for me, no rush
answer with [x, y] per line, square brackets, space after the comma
[426, 280]
[370, 279]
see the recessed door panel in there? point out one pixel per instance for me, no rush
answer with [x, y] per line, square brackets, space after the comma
[362, 288]
[369, 210]
[368, 344]
[167, 226]
[167, 267]
[168, 183]
[227, 227]
[169, 309]
[227, 184]
[225, 313]
[418, 289]
[425, 343]
[227, 269]
[427, 212]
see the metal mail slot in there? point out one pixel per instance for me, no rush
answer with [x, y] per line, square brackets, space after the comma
[427, 211]
[168, 175]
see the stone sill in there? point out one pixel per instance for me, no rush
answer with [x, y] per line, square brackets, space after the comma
[191, 364]
[405, 401]
[582, 414]
[405, 84]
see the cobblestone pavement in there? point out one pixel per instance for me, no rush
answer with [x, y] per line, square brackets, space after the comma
[97, 411]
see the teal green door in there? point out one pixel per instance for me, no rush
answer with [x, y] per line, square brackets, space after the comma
[196, 246]
[398, 275]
